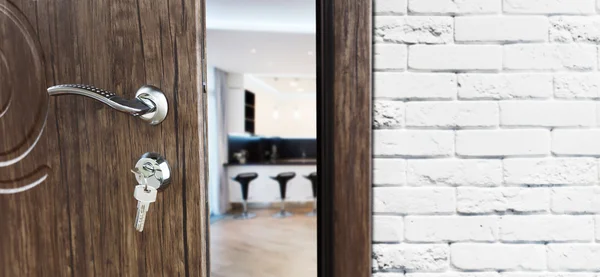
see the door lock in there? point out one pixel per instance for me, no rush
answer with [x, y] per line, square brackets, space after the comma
[152, 173]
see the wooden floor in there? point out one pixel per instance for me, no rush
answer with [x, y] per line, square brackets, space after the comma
[264, 246]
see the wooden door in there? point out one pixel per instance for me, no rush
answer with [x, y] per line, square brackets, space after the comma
[70, 156]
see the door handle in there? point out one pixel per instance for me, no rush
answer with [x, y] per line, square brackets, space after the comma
[149, 104]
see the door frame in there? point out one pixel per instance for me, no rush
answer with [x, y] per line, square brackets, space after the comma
[344, 136]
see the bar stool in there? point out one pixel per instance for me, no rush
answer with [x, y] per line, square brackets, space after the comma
[314, 181]
[282, 179]
[244, 179]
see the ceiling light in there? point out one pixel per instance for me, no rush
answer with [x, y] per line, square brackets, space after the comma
[300, 89]
[310, 53]
[275, 114]
[253, 51]
[296, 114]
[293, 84]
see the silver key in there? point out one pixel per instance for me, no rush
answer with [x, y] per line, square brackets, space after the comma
[145, 196]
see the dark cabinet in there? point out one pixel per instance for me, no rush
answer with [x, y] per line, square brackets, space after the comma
[249, 111]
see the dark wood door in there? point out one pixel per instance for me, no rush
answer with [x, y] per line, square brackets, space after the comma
[66, 190]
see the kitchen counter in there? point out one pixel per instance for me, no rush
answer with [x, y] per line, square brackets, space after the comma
[278, 162]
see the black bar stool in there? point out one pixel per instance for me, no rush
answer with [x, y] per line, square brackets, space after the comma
[282, 179]
[244, 179]
[314, 182]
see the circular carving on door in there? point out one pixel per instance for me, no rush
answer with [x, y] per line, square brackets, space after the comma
[23, 97]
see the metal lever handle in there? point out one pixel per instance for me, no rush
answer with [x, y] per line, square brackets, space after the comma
[149, 104]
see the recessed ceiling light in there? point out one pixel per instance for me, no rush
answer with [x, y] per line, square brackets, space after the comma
[300, 89]
[310, 53]
[253, 51]
[293, 84]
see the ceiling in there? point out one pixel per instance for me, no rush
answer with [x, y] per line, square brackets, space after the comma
[291, 84]
[265, 38]
[296, 16]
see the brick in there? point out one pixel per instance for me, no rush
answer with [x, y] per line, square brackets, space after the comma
[455, 57]
[577, 86]
[390, 57]
[388, 228]
[479, 256]
[454, 172]
[388, 274]
[568, 29]
[501, 28]
[388, 114]
[574, 257]
[454, 274]
[454, 7]
[547, 114]
[505, 86]
[452, 114]
[549, 6]
[501, 143]
[413, 29]
[576, 142]
[580, 200]
[501, 200]
[415, 86]
[413, 257]
[598, 113]
[597, 219]
[414, 201]
[546, 228]
[547, 274]
[451, 228]
[549, 57]
[389, 6]
[550, 171]
[413, 143]
[389, 172]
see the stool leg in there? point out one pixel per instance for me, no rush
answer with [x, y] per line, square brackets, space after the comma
[314, 191]
[245, 214]
[282, 213]
[314, 211]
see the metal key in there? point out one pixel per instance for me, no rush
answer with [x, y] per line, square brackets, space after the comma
[145, 195]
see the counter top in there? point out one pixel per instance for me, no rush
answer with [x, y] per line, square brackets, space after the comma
[278, 162]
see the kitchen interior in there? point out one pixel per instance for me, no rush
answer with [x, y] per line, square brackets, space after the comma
[262, 137]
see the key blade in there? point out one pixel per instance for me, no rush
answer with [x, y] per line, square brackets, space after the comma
[140, 217]
[145, 196]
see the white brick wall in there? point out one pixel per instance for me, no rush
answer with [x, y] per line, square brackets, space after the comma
[580, 57]
[487, 138]
[485, 257]
[446, 7]
[501, 28]
[455, 57]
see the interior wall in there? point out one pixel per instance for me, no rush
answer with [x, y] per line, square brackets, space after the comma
[296, 113]
[486, 138]
[213, 148]
[235, 103]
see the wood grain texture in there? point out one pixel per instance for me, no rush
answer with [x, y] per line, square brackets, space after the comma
[79, 221]
[345, 137]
